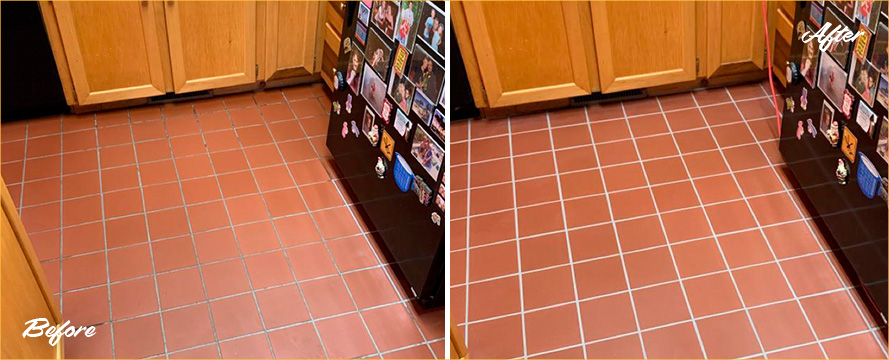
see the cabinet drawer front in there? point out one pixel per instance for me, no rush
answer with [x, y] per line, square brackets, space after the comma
[532, 51]
[644, 44]
[112, 50]
[212, 44]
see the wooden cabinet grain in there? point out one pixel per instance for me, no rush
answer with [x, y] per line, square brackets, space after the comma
[532, 51]
[291, 30]
[212, 44]
[111, 48]
[644, 44]
[735, 41]
[26, 294]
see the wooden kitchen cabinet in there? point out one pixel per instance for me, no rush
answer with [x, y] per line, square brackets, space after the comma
[291, 29]
[735, 41]
[26, 294]
[212, 43]
[111, 49]
[644, 44]
[531, 51]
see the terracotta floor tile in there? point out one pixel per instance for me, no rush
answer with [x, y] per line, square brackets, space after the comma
[706, 163]
[187, 145]
[728, 336]
[745, 157]
[122, 203]
[587, 211]
[180, 288]
[42, 191]
[299, 342]
[812, 351]
[633, 203]
[14, 150]
[182, 125]
[695, 141]
[649, 267]
[535, 191]
[335, 223]
[486, 229]
[675, 196]
[571, 136]
[78, 184]
[547, 287]
[299, 229]
[276, 112]
[625, 347]
[745, 248]
[493, 261]
[648, 125]
[488, 149]
[599, 277]
[345, 337]
[307, 107]
[755, 109]
[76, 141]
[552, 328]
[83, 271]
[624, 177]
[163, 196]
[540, 219]
[685, 119]
[262, 134]
[676, 101]
[732, 135]
[53, 272]
[762, 284]
[191, 167]
[167, 223]
[207, 216]
[833, 315]
[86, 238]
[490, 172]
[268, 269]
[674, 342]
[52, 145]
[773, 209]
[758, 182]
[251, 347]
[612, 130]
[641, 106]
[614, 153]
[43, 168]
[606, 317]
[120, 155]
[544, 251]
[131, 229]
[119, 178]
[660, 305]
[352, 253]
[282, 306]
[392, 327]
[718, 188]
[154, 150]
[567, 116]
[47, 245]
[656, 147]
[129, 262]
[327, 297]
[732, 216]
[245, 115]
[792, 239]
[256, 237]
[575, 159]
[263, 155]
[534, 165]
[862, 346]
[605, 111]
[370, 288]
[781, 325]
[721, 114]
[133, 298]
[493, 298]
[321, 196]
[810, 275]
[665, 170]
[246, 209]
[686, 225]
[581, 183]
[416, 352]
[237, 183]
[229, 161]
[85, 307]
[173, 254]
[221, 140]
[592, 242]
[712, 294]
[187, 327]
[698, 257]
[139, 337]
[225, 278]
[235, 316]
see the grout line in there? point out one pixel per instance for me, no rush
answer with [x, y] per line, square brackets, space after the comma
[105, 250]
[518, 244]
[198, 264]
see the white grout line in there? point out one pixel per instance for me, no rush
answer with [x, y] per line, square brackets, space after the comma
[468, 239]
[105, 250]
[620, 252]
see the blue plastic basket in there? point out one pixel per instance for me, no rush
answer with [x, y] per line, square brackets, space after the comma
[404, 177]
[868, 182]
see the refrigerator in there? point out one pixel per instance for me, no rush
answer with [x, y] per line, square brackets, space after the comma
[387, 134]
[833, 136]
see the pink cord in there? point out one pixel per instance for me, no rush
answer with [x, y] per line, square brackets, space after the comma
[765, 23]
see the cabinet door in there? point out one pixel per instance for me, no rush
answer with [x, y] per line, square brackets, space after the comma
[112, 49]
[644, 44]
[212, 44]
[735, 41]
[290, 39]
[532, 51]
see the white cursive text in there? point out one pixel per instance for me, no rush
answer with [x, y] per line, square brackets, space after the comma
[53, 333]
[839, 33]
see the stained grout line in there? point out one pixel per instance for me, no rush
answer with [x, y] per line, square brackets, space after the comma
[880, 340]
[620, 252]
[691, 313]
[105, 251]
[518, 244]
[771, 251]
[198, 264]
[718, 244]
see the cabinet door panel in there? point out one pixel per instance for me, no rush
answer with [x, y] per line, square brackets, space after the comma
[735, 41]
[532, 51]
[212, 44]
[291, 29]
[644, 44]
[112, 50]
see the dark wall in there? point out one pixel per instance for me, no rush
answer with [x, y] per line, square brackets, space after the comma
[30, 84]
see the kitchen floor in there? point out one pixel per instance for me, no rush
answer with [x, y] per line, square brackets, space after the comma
[658, 228]
[208, 229]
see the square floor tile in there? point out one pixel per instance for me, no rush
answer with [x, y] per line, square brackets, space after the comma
[491, 228]
[547, 287]
[345, 337]
[552, 328]
[544, 251]
[728, 336]
[268, 269]
[719, 188]
[493, 261]
[675, 196]
[327, 297]
[544, 218]
[235, 316]
[133, 298]
[660, 305]
[649, 267]
[833, 314]
[139, 337]
[585, 211]
[581, 183]
[225, 278]
[698, 257]
[600, 277]
[730, 217]
[673, 342]
[493, 298]
[625, 347]
[615, 153]
[607, 316]
[392, 327]
[282, 305]
[83, 271]
[630, 204]
[251, 347]
[311, 261]
[781, 325]
[745, 248]
[811, 275]
[536, 191]
[762, 284]
[180, 288]
[712, 294]
[298, 342]
[370, 288]
[624, 177]
[188, 327]
[129, 262]
[685, 119]
[592, 242]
